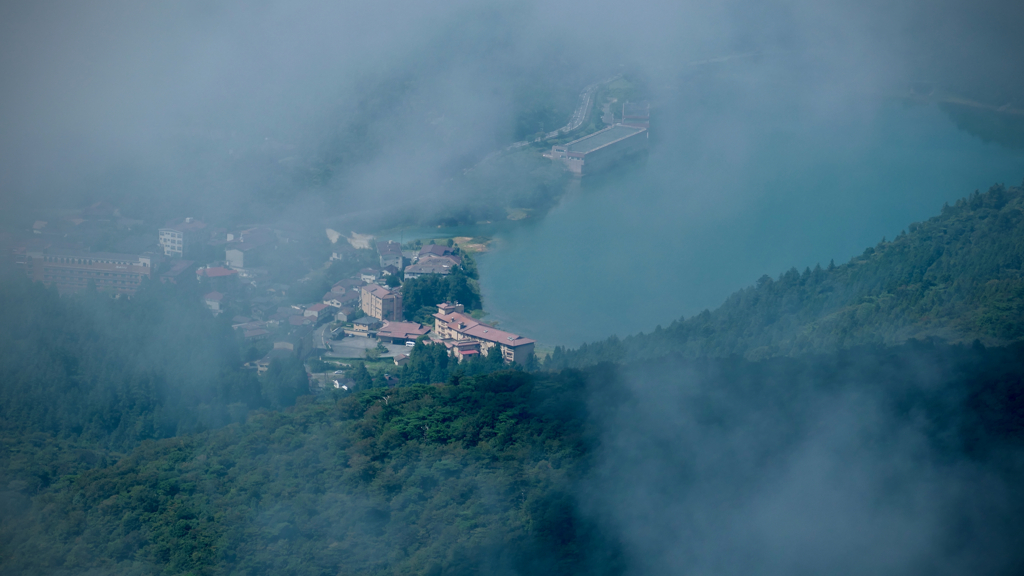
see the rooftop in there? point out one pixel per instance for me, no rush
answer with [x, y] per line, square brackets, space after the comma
[179, 267]
[186, 225]
[435, 249]
[430, 266]
[601, 138]
[215, 272]
[377, 291]
[389, 248]
[402, 329]
[471, 327]
[348, 283]
[484, 332]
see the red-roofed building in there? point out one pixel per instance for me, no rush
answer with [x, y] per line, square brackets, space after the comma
[317, 311]
[399, 332]
[451, 324]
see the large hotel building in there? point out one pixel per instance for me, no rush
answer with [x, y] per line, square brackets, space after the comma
[72, 270]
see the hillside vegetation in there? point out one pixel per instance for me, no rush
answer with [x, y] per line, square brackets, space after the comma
[497, 474]
[131, 443]
[956, 277]
[116, 371]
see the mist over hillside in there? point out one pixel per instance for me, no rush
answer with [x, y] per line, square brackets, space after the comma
[316, 288]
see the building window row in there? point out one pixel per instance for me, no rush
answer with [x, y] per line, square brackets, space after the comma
[82, 261]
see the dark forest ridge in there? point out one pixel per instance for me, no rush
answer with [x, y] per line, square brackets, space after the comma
[956, 277]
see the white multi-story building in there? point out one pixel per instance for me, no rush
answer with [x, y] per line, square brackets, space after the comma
[178, 239]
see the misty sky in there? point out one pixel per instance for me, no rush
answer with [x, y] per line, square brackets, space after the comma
[155, 89]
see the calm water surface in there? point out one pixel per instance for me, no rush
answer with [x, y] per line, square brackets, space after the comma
[731, 190]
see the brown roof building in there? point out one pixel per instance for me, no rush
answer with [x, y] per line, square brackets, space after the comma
[390, 254]
[451, 324]
[72, 270]
[398, 332]
[381, 303]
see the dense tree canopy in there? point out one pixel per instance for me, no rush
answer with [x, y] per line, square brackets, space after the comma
[116, 371]
[479, 475]
[420, 296]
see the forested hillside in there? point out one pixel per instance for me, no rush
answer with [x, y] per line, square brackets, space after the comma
[510, 472]
[113, 372]
[132, 443]
[957, 277]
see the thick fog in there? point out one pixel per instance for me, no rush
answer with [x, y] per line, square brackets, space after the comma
[713, 469]
[210, 101]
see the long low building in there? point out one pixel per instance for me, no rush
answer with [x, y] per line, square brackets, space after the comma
[452, 325]
[72, 270]
[601, 149]
[401, 332]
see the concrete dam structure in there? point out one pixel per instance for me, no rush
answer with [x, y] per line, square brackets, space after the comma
[601, 149]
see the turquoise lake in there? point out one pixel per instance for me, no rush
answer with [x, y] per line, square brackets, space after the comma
[717, 204]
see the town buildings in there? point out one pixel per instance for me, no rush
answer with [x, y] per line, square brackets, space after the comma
[434, 259]
[601, 149]
[214, 301]
[468, 337]
[390, 254]
[431, 250]
[247, 250]
[72, 270]
[365, 326]
[347, 285]
[441, 266]
[381, 303]
[181, 238]
[369, 275]
[317, 311]
[181, 269]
